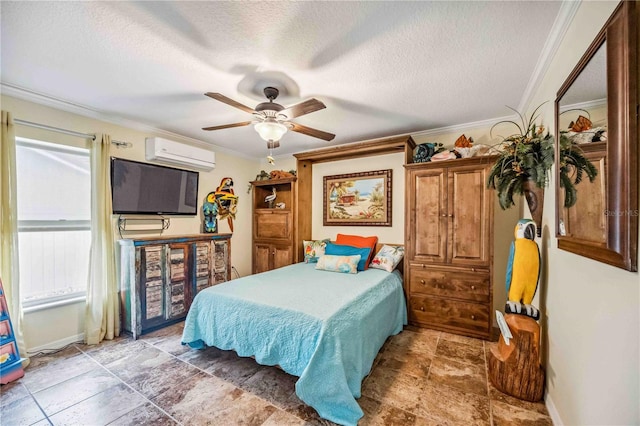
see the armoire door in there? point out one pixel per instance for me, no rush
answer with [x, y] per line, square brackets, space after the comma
[282, 255]
[469, 208]
[261, 257]
[428, 216]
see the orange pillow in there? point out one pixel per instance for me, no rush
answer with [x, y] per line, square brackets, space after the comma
[360, 242]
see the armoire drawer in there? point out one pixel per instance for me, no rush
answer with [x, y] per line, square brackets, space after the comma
[473, 286]
[455, 315]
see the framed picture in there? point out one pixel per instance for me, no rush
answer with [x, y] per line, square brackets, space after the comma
[358, 199]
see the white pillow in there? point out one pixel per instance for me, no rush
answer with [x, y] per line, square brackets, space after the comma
[388, 258]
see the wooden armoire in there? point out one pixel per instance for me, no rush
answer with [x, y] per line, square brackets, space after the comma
[274, 235]
[449, 245]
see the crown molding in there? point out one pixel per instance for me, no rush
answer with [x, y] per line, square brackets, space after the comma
[596, 103]
[85, 111]
[559, 28]
[464, 126]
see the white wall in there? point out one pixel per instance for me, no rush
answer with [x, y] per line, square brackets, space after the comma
[591, 311]
[63, 324]
[385, 234]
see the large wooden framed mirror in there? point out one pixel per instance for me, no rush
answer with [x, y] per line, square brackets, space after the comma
[603, 88]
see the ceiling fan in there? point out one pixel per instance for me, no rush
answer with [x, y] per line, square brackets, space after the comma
[272, 119]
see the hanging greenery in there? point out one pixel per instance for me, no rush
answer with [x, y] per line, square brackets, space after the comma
[526, 155]
[573, 167]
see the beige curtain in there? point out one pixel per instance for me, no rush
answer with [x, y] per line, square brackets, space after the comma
[102, 319]
[9, 266]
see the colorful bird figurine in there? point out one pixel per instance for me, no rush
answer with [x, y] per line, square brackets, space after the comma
[226, 201]
[523, 271]
[271, 198]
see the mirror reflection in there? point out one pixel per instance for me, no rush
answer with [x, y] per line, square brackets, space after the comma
[582, 121]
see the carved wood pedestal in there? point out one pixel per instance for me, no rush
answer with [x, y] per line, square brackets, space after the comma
[515, 369]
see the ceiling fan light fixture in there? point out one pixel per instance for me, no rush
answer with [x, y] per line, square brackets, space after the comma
[270, 130]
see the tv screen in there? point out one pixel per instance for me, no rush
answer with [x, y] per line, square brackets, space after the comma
[142, 188]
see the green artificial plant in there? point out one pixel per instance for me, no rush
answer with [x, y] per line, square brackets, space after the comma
[526, 155]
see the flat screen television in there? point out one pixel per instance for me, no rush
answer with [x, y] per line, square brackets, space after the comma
[143, 188]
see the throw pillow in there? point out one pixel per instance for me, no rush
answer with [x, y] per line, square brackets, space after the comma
[344, 264]
[358, 241]
[313, 250]
[343, 250]
[388, 258]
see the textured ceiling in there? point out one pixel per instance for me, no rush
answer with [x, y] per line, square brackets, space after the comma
[382, 68]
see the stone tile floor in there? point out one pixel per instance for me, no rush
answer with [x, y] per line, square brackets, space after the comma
[420, 377]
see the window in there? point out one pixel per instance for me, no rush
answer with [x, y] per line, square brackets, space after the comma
[54, 221]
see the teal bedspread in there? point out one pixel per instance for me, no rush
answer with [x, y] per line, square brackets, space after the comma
[324, 327]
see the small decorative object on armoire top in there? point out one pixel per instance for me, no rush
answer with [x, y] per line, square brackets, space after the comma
[462, 146]
[425, 151]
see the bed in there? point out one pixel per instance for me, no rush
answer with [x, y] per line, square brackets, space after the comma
[324, 327]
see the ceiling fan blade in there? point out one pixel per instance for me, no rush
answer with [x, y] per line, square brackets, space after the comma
[226, 126]
[222, 98]
[305, 107]
[312, 132]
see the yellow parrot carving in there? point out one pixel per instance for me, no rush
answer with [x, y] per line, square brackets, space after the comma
[523, 271]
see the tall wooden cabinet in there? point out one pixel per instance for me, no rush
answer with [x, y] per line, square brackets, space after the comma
[585, 219]
[449, 245]
[159, 277]
[274, 235]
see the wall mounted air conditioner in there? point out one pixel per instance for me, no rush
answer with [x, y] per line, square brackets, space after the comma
[179, 154]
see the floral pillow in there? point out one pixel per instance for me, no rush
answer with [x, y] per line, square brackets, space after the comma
[313, 250]
[344, 264]
[388, 258]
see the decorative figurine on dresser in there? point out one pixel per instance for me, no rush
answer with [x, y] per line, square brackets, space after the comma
[514, 362]
[159, 277]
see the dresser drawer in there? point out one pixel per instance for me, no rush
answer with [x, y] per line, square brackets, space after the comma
[467, 285]
[454, 315]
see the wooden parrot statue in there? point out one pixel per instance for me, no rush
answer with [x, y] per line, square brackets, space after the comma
[226, 200]
[523, 271]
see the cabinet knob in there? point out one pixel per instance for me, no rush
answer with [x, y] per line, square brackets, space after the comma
[423, 265]
[422, 308]
[422, 282]
[473, 287]
[273, 252]
[473, 269]
[450, 215]
[444, 215]
[473, 317]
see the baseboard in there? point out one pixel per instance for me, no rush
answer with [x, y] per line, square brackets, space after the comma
[553, 411]
[58, 344]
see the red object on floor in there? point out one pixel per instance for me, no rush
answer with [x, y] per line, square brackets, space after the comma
[10, 361]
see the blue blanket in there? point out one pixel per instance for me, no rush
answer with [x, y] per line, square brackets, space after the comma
[324, 327]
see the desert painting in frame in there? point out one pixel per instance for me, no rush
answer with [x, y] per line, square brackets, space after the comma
[358, 199]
